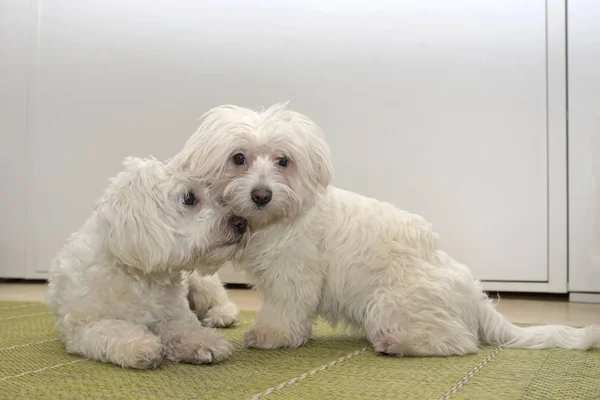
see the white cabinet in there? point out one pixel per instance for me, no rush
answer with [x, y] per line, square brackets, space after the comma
[584, 149]
[453, 110]
[14, 143]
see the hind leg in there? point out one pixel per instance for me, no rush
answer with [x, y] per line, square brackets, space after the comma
[417, 331]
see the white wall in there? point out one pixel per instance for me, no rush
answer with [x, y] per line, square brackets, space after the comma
[584, 146]
[438, 107]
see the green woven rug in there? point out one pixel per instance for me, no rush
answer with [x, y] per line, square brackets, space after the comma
[34, 365]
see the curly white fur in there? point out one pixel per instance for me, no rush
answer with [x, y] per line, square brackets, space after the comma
[319, 250]
[119, 286]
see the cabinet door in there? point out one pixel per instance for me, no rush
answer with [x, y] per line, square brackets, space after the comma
[584, 146]
[439, 107]
[14, 143]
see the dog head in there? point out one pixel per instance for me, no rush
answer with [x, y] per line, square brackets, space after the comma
[267, 166]
[155, 219]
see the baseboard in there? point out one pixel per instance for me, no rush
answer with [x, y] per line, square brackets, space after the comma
[575, 297]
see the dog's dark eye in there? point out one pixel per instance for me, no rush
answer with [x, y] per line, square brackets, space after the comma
[189, 199]
[239, 159]
[283, 161]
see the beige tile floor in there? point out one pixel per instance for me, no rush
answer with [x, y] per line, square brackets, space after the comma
[519, 309]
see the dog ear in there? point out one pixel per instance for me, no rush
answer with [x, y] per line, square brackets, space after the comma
[321, 161]
[314, 148]
[317, 150]
[135, 229]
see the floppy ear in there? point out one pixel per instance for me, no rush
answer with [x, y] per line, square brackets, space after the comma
[318, 151]
[135, 229]
[321, 160]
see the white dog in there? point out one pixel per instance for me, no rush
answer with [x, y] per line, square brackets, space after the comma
[116, 287]
[318, 250]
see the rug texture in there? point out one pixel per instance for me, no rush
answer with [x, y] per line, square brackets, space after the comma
[35, 365]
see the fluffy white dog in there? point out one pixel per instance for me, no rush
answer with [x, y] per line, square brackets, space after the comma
[117, 287]
[318, 250]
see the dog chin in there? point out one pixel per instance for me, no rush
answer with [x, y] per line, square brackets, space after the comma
[221, 255]
[234, 252]
[260, 218]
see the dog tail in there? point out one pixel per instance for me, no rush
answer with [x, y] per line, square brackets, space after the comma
[494, 329]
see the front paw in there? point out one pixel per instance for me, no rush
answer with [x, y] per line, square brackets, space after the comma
[221, 316]
[265, 338]
[141, 352]
[199, 347]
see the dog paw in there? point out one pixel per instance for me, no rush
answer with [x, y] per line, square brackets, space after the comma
[390, 345]
[212, 353]
[201, 347]
[265, 338]
[221, 316]
[143, 353]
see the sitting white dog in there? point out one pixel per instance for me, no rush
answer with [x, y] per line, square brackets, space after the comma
[117, 288]
[318, 250]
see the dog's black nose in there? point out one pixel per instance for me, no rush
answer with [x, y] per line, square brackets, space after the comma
[261, 196]
[239, 224]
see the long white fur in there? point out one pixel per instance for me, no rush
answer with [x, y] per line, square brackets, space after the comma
[119, 286]
[319, 250]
